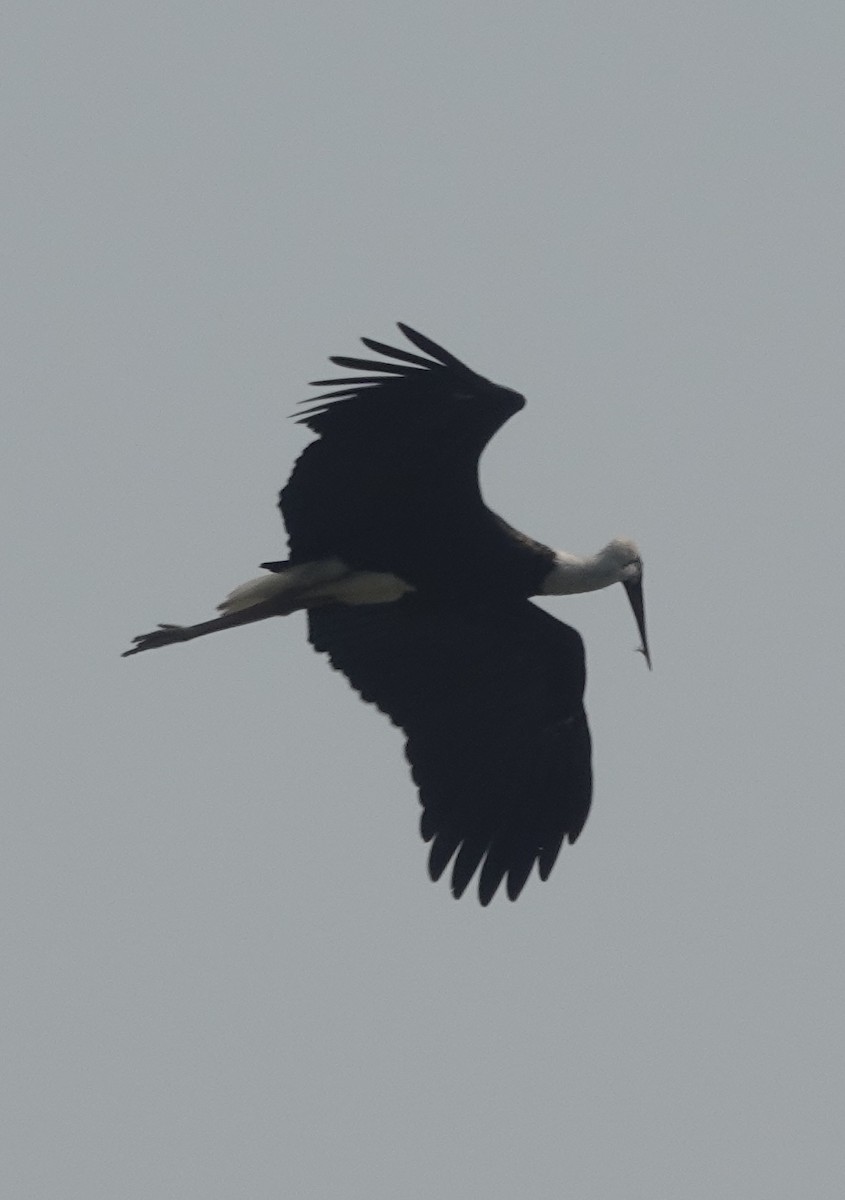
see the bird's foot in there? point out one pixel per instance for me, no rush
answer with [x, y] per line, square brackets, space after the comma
[165, 635]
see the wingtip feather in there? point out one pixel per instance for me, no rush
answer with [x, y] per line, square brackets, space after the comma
[429, 347]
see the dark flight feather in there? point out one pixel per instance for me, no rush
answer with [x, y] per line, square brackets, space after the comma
[490, 700]
[391, 483]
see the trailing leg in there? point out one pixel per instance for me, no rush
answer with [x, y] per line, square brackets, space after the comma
[288, 588]
[166, 635]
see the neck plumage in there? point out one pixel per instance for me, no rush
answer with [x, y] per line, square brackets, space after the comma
[570, 574]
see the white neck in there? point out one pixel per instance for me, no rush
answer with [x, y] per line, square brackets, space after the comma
[569, 573]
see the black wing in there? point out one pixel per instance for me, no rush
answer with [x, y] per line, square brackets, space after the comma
[492, 705]
[397, 454]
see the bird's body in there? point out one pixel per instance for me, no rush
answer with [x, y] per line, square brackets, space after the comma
[420, 595]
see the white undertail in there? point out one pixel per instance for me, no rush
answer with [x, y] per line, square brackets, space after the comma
[329, 580]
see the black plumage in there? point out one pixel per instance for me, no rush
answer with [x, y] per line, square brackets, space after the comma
[490, 699]
[392, 482]
[487, 687]
[419, 594]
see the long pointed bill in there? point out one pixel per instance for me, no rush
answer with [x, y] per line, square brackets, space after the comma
[634, 588]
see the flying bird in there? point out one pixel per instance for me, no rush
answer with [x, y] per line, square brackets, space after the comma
[419, 594]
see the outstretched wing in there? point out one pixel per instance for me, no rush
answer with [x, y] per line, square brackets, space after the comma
[397, 445]
[491, 701]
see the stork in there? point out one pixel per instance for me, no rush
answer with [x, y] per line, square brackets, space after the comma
[419, 594]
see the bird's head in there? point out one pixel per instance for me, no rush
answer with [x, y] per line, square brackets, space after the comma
[623, 557]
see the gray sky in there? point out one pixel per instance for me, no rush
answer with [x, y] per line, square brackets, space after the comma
[225, 971]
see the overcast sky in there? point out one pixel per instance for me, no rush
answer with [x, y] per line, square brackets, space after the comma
[225, 972]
